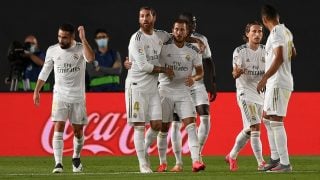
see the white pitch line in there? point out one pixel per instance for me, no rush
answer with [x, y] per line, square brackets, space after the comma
[68, 173]
[119, 173]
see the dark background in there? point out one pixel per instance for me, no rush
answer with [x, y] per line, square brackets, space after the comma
[221, 21]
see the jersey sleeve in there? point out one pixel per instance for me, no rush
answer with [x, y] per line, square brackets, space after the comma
[137, 51]
[47, 66]
[197, 60]
[164, 35]
[277, 38]
[236, 60]
[207, 51]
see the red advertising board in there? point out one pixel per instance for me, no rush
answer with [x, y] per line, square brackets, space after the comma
[27, 130]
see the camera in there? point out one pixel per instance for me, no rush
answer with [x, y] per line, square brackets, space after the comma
[17, 55]
[18, 59]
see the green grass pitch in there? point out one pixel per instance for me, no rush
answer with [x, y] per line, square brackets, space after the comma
[126, 167]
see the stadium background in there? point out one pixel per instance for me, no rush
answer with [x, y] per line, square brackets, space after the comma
[222, 21]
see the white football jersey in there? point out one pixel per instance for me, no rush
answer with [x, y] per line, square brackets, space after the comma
[182, 60]
[205, 54]
[69, 72]
[253, 63]
[280, 36]
[144, 52]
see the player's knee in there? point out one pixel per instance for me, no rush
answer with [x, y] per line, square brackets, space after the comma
[265, 116]
[59, 126]
[255, 127]
[78, 131]
[276, 118]
[78, 134]
[156, 125]
[165, 127]
[203, 109]
[188, 121]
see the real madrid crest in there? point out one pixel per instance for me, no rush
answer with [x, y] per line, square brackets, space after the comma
[76, 56]
[188, 57]
[140, 50]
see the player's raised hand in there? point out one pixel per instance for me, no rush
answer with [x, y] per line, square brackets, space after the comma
[82, 34]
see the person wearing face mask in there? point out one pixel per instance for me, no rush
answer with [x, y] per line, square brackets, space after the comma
[104, 72]
[35, 58]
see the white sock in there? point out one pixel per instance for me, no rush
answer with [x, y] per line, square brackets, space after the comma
[151, 135]
[138, 138]
[77, 146]
[280, 137]
[256, 146]
[203, 131]
[193, 142]
[240, 141]
[162, 146]
[176, 141]
[57, 145]
[271, 139]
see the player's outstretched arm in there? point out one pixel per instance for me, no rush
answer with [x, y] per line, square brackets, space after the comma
[36, 93]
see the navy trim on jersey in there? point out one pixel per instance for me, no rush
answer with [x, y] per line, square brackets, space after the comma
[170, 41]
[189, 45]
[138, 36]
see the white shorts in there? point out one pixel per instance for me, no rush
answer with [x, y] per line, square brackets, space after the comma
[142, 106]
[276, 101]
[75, 112]
[251, 112]
[199, 96]
[176, 103]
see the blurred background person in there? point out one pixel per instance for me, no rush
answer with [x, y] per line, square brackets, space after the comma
[26, 60]
[36, 59]
[104, 73]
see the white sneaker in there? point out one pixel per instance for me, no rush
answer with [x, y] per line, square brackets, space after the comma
[145, 169]
[76, 165]
[58, 168]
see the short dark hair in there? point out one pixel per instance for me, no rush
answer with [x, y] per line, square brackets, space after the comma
[153, 12]
[188, 16]
[100, 30]
[181, 21]
[192, 21]
[269, 12]
[67, 27]
[247, 29]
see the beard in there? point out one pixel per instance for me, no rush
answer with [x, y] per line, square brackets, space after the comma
[179, 39]
[64, 46]
[147, 26]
